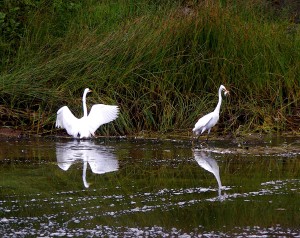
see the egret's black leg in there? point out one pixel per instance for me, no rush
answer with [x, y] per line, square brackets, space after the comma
[194, 139]
[206, 141]
[207, 135]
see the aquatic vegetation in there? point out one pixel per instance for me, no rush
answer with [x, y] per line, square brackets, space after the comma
[159, 61]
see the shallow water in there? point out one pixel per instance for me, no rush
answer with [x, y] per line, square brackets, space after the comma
[155, 188]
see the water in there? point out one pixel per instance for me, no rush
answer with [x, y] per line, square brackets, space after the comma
[149, 188]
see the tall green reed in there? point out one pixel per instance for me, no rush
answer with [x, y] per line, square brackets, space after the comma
[162, 64]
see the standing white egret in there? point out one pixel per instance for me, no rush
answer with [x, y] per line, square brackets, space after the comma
[209, 120]
[86, 126]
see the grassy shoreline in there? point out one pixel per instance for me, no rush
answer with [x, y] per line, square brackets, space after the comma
[162, 63]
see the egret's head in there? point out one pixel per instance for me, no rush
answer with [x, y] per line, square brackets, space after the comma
[226, 92]
[86, 91]
[86, 184]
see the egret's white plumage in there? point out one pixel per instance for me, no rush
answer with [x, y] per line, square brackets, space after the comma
[209, 120]
[86, 126]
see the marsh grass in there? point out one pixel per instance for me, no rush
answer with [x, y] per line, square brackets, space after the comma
[162, 63]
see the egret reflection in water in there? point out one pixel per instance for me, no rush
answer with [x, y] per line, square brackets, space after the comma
[205, 160]
[100, 158]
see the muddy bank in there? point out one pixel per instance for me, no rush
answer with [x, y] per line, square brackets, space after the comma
[256, 144]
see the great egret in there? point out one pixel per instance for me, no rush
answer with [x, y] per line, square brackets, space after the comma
[86, 126]
[209, 120]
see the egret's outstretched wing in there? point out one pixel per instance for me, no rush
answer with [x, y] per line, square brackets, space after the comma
[65, 119]
[101, 114]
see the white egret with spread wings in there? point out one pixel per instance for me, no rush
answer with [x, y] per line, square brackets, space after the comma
[86, 126]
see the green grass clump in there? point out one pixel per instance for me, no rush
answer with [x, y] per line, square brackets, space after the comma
[161, 62]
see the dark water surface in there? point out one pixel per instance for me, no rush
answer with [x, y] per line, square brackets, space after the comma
[154, 188]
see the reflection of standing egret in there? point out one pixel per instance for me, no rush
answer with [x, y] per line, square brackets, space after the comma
[209, 164]
[100, 158]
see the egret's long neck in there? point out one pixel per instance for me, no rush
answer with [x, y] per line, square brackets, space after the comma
[219, 183]
[217, 109]
[86, 184]
[84, 105]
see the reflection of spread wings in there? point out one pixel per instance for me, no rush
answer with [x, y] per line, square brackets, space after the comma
[106, 165]
[208, 163]
[66, 155]
[100, 158]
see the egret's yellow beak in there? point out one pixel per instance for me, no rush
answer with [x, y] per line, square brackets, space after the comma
[226, 93]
